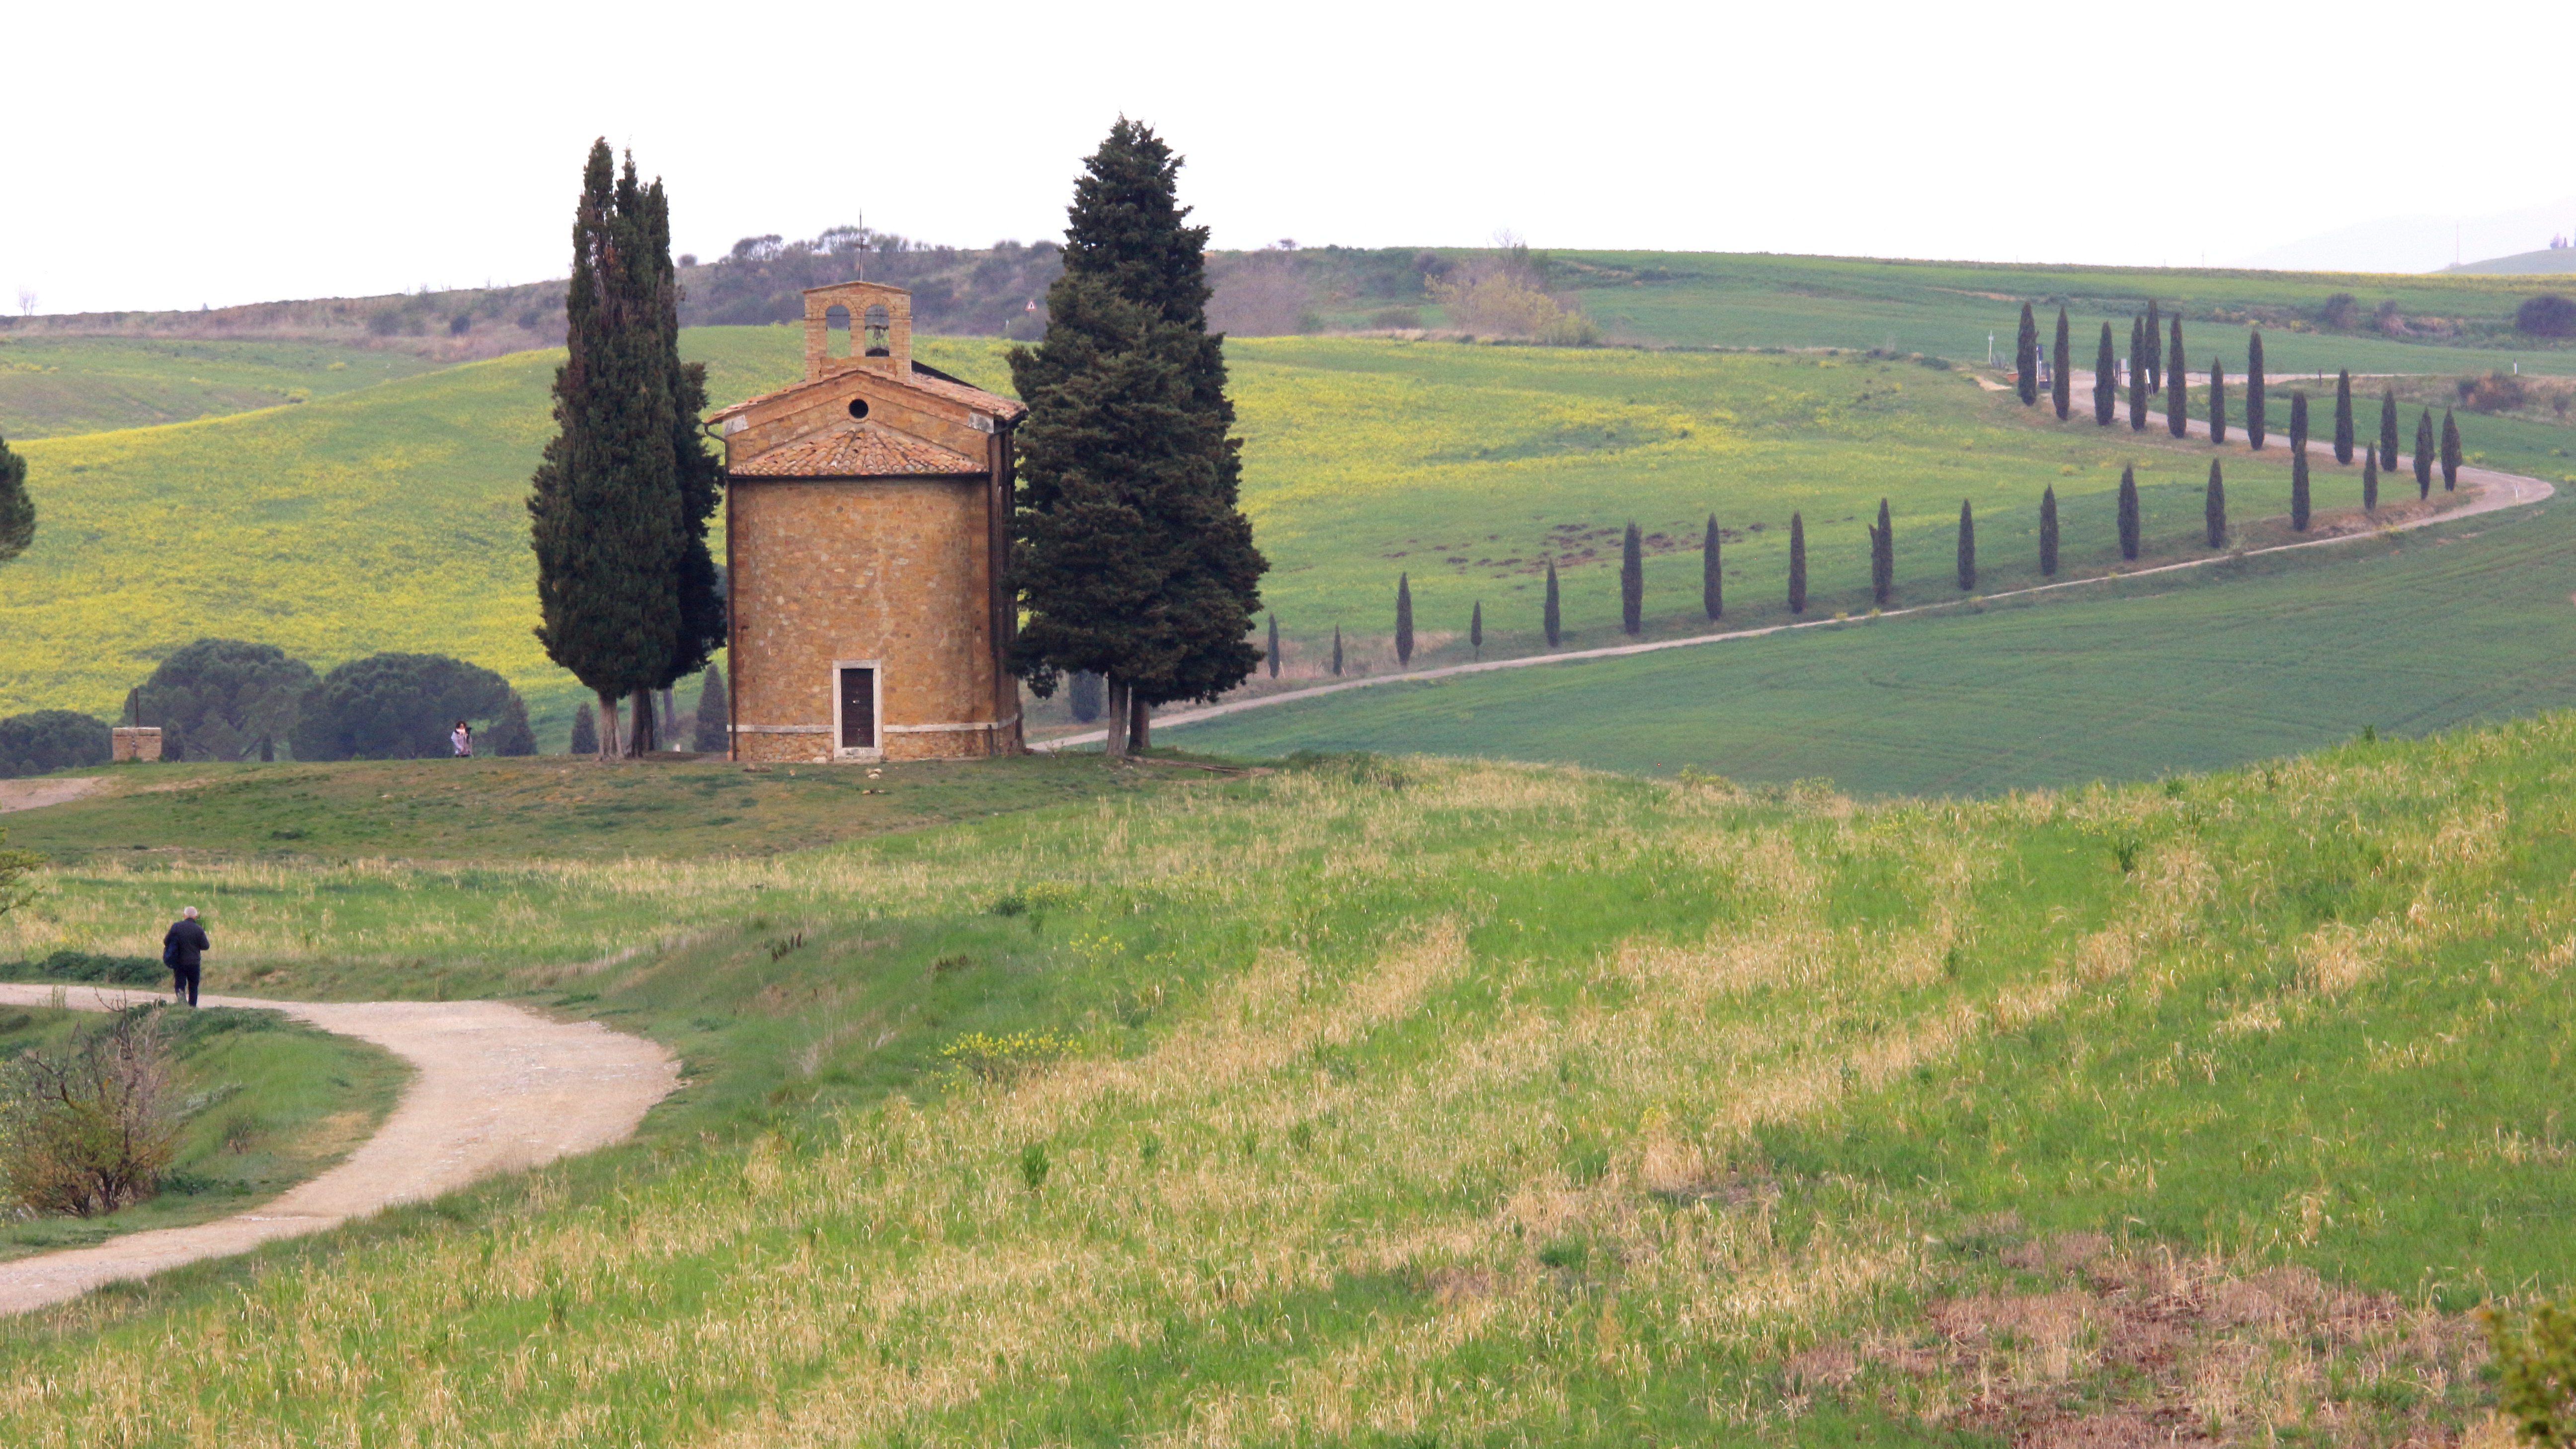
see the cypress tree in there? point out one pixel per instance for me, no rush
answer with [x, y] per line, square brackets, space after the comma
[2177, 387]
[2369, 480]
[1712, 586]
[713, 734]
[2254, 419]
[2450, 452]
[2048, 532]
[1131, 554]
[2213, 507]
[2170, 364]
[511, 736]
[2129, 539]
[2106, 367]
[1337, 651]
[1632, 582]
[2137, 375]
[1082, 696]
[2343, 416]
[1967, 547]
[2059, 380]
[585, 732]
[620, 503]
[2388, 431]
[2424, 456]
[1797, 564]
[1403, 620]
[1549, 618]
[2298, 421]
[2299, 490]
[1882, 558]
[17, 510]
[2154, 354]
[2026, 357]
[2217, 400]
[1272, 654]
[1476, 629]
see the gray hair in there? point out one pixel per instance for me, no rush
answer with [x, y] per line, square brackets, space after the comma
[190, 912]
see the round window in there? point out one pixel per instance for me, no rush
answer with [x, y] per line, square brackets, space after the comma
[858, 407]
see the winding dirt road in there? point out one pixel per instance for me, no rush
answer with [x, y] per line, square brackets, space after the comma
[496, 1089]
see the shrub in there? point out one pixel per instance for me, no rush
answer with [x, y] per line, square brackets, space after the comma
[2547, 316]
[395, 707]
[511, 736]
[1004, 1059]
[87, 1125]
[81, 966]
[1396, 318]
[585, 732]
[2338, 311]
[2536, 1372]
[2497, 392]
[51, 739]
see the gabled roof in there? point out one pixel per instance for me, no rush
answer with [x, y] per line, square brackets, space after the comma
[856, 450]
[924, 379]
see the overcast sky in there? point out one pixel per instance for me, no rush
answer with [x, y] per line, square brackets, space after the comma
[167, 156]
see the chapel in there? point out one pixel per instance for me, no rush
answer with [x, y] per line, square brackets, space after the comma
[867, 528]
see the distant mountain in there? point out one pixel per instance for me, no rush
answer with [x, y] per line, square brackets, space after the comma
[2526, 264]
[2421, 243]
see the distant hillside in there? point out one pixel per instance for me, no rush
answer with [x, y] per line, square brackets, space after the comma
[2524, 264]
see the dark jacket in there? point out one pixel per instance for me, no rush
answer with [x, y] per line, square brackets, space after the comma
[186, 941]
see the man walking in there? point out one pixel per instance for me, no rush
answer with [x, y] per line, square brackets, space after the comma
[182, 950]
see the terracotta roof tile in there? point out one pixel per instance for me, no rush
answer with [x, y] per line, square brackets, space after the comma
[957, 392]
[855, 450]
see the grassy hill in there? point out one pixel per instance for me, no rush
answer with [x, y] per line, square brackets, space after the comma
[1385, 1100]
[51, 387]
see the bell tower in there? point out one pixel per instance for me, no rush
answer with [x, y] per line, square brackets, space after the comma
[855, 325]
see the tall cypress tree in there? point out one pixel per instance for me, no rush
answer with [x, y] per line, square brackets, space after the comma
[1712, 583]
[1403, 620]
[2299, 461]
[2048, 532]
[2254, 400]
[2343, 416]
[2217, 400]
[2138, 388]
[511, 736]
[2450, 452]
[611, 503]
[2370, 480]
[2213, 508]
[585, 732]
[2177, 386]
[2298, 420]
[17, 510]
[2026, 357]
[2060, 381]
[1632, 582]
[2154, 354]
[1337, 651]
[1882, 558]
[1131, 554]
[713, 734]
[2388, 431]
[1272, 654]
[1797, 564]
[2424, 456]
[2129, 528]
[1476, 629]
[2106, 370]
[1550, 618]
[1967, 547]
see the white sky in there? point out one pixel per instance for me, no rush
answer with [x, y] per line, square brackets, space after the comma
[166, 156]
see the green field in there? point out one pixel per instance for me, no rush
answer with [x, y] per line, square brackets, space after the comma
[1384, 1101]
[55, 386]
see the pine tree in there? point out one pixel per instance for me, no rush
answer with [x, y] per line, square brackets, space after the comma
[585, 732]
[624, 587]
[2450, 452]
[1550, 619]
[1337, 651]
[2138, 388]
[1131, 552]
[2254, 399]
[2217, 400]
[2048, 533]
[1882, 558]
[1797, 564]
[510, 736]
[1273, 654]
[17, 510]
[1632, 582]
[2388, 431]
[1967, 547]
[2060, 381]
[2213, 507]
[2424, 456]
[2106, 369]
[2154, 353]
[2177, 387]
[714, 732]
[1476, 629]
[2369, 480]
[2129, 531]
[1403, 620]
[2026, 357]
[1712, 584]
[2343, 416]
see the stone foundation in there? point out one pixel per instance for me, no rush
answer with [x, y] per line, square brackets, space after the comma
[131, 745]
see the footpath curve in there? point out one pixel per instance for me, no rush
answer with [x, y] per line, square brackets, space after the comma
[2488, 489]
[496, 1088]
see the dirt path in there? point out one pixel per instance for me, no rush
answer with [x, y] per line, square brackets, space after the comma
[37, 794]
[497, 1088]
[2487, 490]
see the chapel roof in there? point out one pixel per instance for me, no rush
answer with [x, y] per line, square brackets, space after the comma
[924, 380]
[856, 450]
